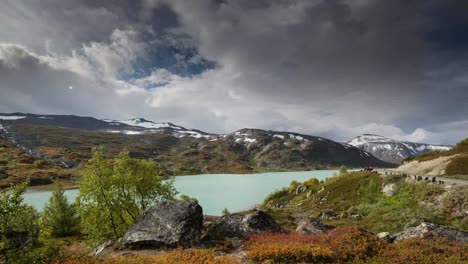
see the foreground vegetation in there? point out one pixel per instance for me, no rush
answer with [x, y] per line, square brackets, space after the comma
[115, 192]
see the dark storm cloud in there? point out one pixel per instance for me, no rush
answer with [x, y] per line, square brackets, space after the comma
[333, 68]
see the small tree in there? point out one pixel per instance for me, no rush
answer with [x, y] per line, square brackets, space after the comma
[343, 170]
[59, 215]
[226, 212]
[19, 224]
[114, 193]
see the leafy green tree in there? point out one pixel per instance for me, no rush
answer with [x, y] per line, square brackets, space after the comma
[59, 215]
[114, 193]
[19, 223]
[343, 170]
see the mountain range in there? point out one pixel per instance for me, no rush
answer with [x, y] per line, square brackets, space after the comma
[391, 150]
[66, 141]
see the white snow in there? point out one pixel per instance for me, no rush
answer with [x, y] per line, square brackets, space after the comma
[250, 140]
[128, 132]
[368, 138]
[278, 136]
[433, 147]
[138, 122]
[11, 117]
[195, 134]
[46, 117]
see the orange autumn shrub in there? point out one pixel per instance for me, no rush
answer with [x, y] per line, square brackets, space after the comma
[339, 245]
[289, 253]
[349, 243]
[281, 238]
[176, 256]
[423, 251]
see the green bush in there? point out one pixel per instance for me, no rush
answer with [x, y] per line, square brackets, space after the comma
[343, 170]
[59, 215]
[312, 183]
[294, 184]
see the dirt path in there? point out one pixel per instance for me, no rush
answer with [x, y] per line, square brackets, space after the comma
[446, 181]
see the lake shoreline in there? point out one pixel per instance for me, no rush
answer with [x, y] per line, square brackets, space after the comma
[215, 192]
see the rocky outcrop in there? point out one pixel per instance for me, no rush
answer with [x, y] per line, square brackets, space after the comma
[167, 224]
[427, 230]
[312, 226]
[389, 189]
[239, 226]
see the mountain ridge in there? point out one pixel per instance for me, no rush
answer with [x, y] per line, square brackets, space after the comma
[66, 141]
[391, 150]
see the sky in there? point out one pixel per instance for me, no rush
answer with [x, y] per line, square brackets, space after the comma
[330, 68]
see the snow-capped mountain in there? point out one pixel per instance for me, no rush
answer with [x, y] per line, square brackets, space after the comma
[68, 140]
[391, 150]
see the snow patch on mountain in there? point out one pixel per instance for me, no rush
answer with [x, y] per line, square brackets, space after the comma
[140, 122]
[11, 117]
[391, 150]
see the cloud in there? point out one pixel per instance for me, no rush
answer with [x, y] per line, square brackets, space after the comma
[330, 68]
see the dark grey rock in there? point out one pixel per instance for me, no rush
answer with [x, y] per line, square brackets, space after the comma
[301, 189]
[427, 230]
[239, 226]
[312, 226]
[167, 224]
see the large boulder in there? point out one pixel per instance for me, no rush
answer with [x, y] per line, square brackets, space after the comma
[312, 226]
[428, 230]
[167, 224]
[230, 226]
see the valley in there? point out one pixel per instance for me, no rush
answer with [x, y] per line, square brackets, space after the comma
[64, 143]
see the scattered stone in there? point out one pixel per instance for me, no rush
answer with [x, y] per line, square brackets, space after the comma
[386, 236]
[309, 193]
[301, 189]
[167, 224]
[312, 226]
[356, 216]
[389, 189]
[281, 204]
[328, 214]
[238, 226]
[105, 246]
[427, 230]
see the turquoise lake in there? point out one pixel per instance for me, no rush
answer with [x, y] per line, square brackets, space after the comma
[218, 191]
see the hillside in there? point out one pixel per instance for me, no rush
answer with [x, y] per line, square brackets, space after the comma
[391, 150]
[370, 201]
[452, 163]
[66, 142]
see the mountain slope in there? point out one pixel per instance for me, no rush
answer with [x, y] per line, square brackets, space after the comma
[68, 140]
[391, 150]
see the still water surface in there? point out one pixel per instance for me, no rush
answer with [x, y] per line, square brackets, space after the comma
[218, 191]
